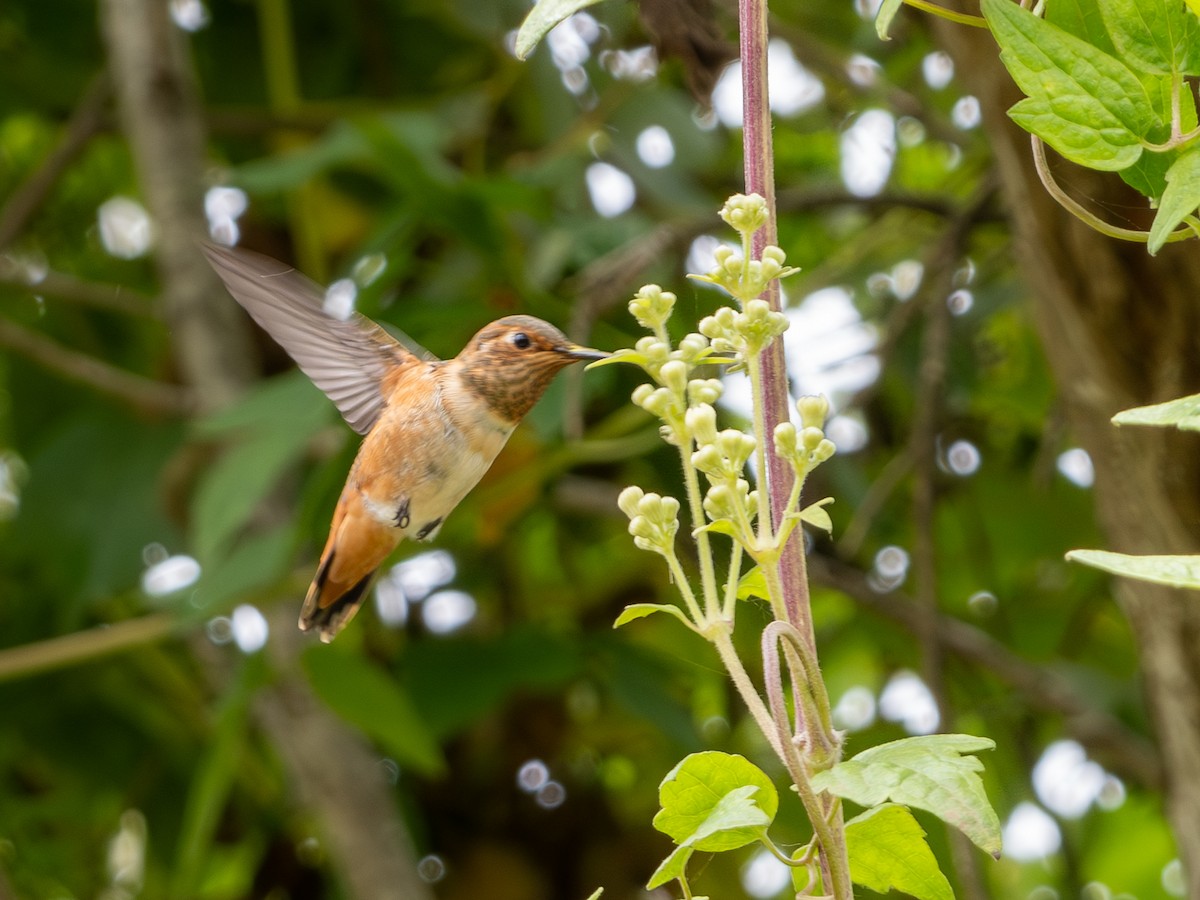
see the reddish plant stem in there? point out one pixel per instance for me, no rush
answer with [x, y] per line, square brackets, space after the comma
[760, 179]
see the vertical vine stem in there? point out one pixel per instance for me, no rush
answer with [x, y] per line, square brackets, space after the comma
[772, 410]
[760, 179]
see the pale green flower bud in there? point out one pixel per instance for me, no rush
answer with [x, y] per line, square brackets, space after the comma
[810, 439]
[705, 390]
[722, 254]
[641, 394]
[824, 450]
[674, 375]
[702, 423]
[709, 460]
[732, 265]
[774, 254]
[813, 411]
[720, 503]
[661, 403]
[691, 347]
[629, 499]
[785, 440]
[736, 447]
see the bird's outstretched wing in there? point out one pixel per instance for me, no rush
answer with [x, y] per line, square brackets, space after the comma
[345, 358]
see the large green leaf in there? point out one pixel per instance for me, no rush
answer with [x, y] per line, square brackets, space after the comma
[887, 851]
[1083, 102]
[1175, 571]
[1156, 36]
[269, 431]
[367, 698]
[928, 772]
[715, 801]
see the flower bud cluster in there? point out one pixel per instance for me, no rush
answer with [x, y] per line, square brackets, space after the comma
[745, 213]
[722, 457]
[807, 447]
[746, 278]
[652, 306]
[653, 519]
[746, 332]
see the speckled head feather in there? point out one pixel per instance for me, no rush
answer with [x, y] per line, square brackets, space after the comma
[511, 362]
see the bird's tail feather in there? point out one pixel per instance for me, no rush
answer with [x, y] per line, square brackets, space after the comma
[331, 617]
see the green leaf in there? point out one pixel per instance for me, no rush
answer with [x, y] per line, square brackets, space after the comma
[670, 868]
[715, 801]
[641, 610]
[1183, 413]
[271, 426]
[721, 526]
[887, 851]
[1082, 19]
[753, 584]
[543, 17]
[927, 772]
[814, 514]
[374, 703]
[883, 18]
[1086, 104]
[1078, 141]
[595, 895]
[1179, 200]
[1154, 35]
[1174, 571]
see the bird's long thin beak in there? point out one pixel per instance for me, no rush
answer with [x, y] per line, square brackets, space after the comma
[574, 351]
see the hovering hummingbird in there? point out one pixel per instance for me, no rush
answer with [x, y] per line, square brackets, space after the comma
[432, 427]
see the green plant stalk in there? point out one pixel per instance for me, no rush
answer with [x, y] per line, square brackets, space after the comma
[708, 573]
[731, 585]
[685, 588]
[766, 534]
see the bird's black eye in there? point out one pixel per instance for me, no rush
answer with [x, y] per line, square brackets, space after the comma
[521, 340]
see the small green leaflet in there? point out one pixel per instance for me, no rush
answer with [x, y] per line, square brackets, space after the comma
[927, 772]
[1083, 102]
[715, 801]
[1183, 413]
[883, 18]
[671, 868]
[1173, 571]
[641, 610]
[1156, 36]
[1179, 200]
[543, 17]
[887, 851]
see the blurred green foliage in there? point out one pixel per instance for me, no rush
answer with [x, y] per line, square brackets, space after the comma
[416, 135]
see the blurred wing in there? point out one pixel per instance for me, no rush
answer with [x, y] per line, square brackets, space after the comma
[345, 358]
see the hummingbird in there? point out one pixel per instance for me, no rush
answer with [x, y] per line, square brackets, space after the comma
[431, 427]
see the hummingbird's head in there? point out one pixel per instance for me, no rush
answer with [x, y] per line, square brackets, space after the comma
[511, 362]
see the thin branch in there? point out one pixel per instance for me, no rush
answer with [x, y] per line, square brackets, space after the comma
[85, 121]
[144, 394]
[110, 297]
[84, 646]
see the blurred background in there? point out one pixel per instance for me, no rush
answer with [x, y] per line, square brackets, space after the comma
[167, 477]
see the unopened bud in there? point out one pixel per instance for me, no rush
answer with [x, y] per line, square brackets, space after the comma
[702, 423]
[705, 390]
[629, 499]
[813, 411]
[810, 438]
[673, 375]
[785, 440]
